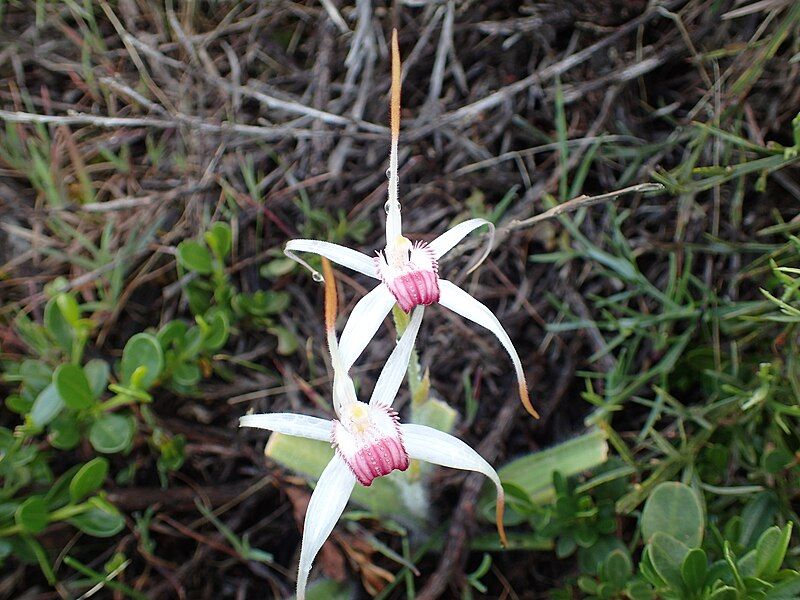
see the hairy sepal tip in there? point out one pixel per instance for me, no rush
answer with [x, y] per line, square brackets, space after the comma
[395, 92]
[499, 512]
[330, 295]
[526, 401]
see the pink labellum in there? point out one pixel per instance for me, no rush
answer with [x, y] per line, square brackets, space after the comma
[368, 439]
[410, 272]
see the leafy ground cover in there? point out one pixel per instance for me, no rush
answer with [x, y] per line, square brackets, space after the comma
[154, 158]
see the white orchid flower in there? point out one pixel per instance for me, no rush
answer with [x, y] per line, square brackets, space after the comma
[368, 437]
[408, 271]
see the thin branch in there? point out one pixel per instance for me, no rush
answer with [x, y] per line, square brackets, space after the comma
[584, 200]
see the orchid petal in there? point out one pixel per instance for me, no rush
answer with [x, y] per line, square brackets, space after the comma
[396, 365]
[440, 448]
[450, 238]
[347, 257]
[364, 321]
[291, 424]
[459, 301]
[326, 506]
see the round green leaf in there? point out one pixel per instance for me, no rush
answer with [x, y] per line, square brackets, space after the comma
[35, 374]
[64, 433]
[667, 555]
[694, 569]
[18, 404]
[88, 478]
[618, 568]
[111, 433]
[172, 333]
[102, 520]
[218, 237]
[73, 387]
[31, 515]
[194, 256]
[287, 340]
[46, 406]
[277, 268]
[673, 508]
[142, 350]
[187, 374]
[217, 333]
[97, 372]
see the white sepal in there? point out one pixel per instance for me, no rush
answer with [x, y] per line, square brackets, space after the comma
[450, 239]
[459, 301]
[396, 365]
[291, 424]
[364, 321]
[326, 506]
[347, 257]
[440, 448]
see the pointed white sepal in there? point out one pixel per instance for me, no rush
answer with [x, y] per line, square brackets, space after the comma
[364, 321]
[459, 301]
[341, 255]
[450, 239]
[291, 424]
[326, 506]
[440, 448]
[396, 365]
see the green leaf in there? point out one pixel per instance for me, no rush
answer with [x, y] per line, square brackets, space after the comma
[187, 374]
[69, 308]
[757, 515]
[18, 404]
[64, 432]
[534, 472]
[618, 568]
[172, 333]
[111, 433]
[35, 374]
[32, 515]
[639, 590]
[776, 460]
[142, 350]
[218, 238]
[215, 336]
[277, 268]
[667, 555]
[73, 387]
[88, 479]
[97, 372]
[287, 340]
[194, 256]
[57, 326]
[101, 520]
[437, 414]
[725, 593]
[694, 569]
[46, 406]
[673, 508]
[771, 549]
[788, 589]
